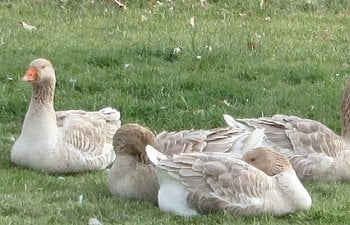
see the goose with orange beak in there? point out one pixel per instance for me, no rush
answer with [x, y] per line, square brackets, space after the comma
[63, 141]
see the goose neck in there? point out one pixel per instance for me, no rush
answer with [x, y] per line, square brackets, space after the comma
[42, 97]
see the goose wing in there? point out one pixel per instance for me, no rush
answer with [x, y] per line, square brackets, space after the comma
[310, 136]
[90, 134]
[312, 166]
[214, 140]
[218, 181]
[298, 136]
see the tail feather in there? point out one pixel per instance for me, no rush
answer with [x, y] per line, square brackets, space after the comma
[154, 155]
[231, 122]
[257, 138]
[111, 111]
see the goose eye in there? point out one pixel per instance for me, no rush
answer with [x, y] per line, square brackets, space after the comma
[43, 67]
[253, 159]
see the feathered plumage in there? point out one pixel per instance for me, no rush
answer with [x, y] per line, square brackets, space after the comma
[315, 151]
[262, 181]
[63, 141]
[132, 175]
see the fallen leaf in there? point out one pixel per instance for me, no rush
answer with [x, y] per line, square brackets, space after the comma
[262, 3]
[27, 26]
[143, 18]
[204, 2]
[12, 139]
[120, 4]
[94, 221]
[251, 45]
[80, 199]
[159, 3]
[227, 103]
[268, 18]
[192, 22]
[257, 35]
[209, 48]
[177, 50]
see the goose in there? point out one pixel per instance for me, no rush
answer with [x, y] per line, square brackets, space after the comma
[132, 176]
[261, 181]
[64, 141]
[315, 151]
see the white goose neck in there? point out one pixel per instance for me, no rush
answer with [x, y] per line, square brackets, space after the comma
[42, 97]
[294, 189]
[41, 115]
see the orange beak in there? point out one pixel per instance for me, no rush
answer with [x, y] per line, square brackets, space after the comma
[31, 74]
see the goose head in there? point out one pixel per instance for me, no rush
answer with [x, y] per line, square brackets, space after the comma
[267, 160]
[40, 71]
[132, 139]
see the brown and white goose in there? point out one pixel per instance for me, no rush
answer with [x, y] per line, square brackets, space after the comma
[133, 176]
[64, 141]
[262, 181]
[315, 151]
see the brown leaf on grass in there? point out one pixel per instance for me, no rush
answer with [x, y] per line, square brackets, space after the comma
[252, 45]
[254, 41]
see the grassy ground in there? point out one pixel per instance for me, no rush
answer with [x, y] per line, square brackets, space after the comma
[288, 57]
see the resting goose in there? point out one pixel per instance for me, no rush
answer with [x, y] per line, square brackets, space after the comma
[315, 151]
[133, 176]
[262, 181]
[65, 141]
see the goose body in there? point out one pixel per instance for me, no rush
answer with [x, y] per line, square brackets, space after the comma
[262, 181]
[133, 176]
[64, 141]
[314, 150]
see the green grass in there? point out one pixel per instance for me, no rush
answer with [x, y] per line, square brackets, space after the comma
[299, 67]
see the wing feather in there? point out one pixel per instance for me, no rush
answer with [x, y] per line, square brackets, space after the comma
[214, 140]
[89, 132]
[298, 136]
[220, 182]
